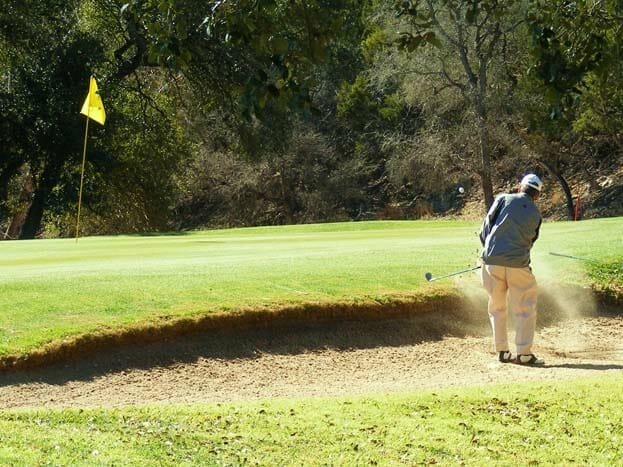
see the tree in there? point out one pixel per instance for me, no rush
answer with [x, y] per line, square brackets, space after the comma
[475, 34]
[577, 69]
[289, 166]
[50, 50]
[248, 51]
[574, 42]
[47, 70]
[230, 57]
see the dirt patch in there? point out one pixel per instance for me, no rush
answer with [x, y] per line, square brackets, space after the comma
[441, 348]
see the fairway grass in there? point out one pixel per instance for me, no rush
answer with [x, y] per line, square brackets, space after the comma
[563, 423]
[55, 290]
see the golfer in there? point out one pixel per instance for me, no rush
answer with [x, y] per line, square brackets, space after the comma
[508, 232]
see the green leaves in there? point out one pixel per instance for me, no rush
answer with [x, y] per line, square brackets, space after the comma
[405, 7]
[411, 42]
[279, 45]
[571, 41]
[432, 39]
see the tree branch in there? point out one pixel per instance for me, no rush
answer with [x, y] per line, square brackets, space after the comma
[437, 24]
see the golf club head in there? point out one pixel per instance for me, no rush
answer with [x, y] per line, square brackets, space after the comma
[428, 276]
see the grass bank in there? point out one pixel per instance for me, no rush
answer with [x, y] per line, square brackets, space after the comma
[59, 291]
[579, 422]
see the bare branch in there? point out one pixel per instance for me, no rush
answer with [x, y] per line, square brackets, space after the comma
[463, 55]
[438, 26]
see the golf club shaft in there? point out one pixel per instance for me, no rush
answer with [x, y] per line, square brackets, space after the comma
[573, 257]
[454, 273]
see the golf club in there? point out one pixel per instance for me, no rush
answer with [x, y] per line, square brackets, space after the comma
[430, 278]
[573, 257]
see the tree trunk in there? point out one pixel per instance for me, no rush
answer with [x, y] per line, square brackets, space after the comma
[485, 159]
[563, 183]
[17, 222]
[32, 224]
[481, 107]
[287, 198]
[6, 174]
[15, 227]
[40, 199]
[485, 153]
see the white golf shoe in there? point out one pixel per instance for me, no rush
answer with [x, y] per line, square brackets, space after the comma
[529, 359]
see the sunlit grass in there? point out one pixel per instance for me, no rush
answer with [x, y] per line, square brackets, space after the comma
[563, 423]
[52, 289]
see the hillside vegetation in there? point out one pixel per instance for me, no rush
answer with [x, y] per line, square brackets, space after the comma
[246, 113]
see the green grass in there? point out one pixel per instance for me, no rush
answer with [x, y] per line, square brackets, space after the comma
[54, 289]
[609, 278]
[578, 422]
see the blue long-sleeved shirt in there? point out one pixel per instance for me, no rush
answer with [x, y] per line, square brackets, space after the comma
[509, 230]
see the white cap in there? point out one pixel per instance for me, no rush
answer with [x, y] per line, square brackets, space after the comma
[532, 181]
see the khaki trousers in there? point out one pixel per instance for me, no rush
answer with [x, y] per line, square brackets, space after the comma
[520, 286]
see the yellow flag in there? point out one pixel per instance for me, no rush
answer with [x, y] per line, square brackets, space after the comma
[93, 106]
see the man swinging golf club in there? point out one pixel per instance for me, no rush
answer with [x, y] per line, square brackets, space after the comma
[508, 232]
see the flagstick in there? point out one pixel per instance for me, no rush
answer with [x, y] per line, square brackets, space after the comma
[84, 158]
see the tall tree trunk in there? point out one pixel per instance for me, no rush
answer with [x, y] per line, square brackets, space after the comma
[34, 217]
[483, 130]
[32, 224]
[483, 136]
[15, 227]
[485, 160]
[287, 197]
[6, 173]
